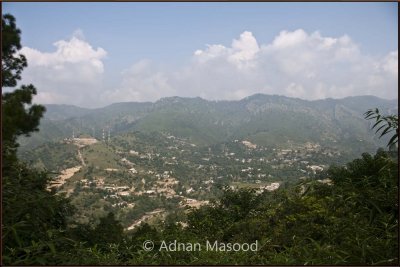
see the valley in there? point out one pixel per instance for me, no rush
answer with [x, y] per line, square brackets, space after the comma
[151, 177]
[153, 162]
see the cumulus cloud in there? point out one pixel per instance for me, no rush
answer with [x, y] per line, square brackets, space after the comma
[71, 74]
[287, 39]
[142, 82]
[295, 63]
[242, 52]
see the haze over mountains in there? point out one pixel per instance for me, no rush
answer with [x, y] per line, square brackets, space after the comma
[263, 119]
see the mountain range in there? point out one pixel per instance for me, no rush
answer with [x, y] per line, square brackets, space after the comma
[269, 120]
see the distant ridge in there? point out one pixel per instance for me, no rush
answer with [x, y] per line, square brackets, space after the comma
[263, 119]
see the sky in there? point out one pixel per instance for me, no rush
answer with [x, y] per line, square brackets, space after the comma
[95, 54]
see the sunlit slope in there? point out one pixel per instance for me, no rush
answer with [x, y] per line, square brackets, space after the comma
[265, 119]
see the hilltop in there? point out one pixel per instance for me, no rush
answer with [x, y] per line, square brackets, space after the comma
[263, 119]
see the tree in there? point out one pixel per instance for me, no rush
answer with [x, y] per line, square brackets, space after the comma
[19, 117]
[388, 123]
[11, 64]
[33, 217]
[109, 230]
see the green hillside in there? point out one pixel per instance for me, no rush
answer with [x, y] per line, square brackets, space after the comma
[265, 119]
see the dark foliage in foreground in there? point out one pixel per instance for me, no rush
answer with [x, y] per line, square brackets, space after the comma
[353, 220]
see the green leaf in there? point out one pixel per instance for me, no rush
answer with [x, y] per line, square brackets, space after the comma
[379, 121]
[379, 128]
[392, 140]
[387, 130]
[52, 248]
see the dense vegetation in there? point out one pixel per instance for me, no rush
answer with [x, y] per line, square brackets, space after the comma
[266, 120]
[352, 219]
[169, 170]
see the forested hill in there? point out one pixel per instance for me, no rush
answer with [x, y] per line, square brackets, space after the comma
[263, 119]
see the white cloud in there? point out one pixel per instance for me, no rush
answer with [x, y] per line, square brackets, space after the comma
[293, 90]
[295, 63]
[390, 63]
[212, 52]
[50, 97]
[71, 74]
[287, 39]
[141, 82]
[244, 49]
[242, 52]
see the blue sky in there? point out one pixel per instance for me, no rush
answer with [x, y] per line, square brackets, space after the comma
[144, 51]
